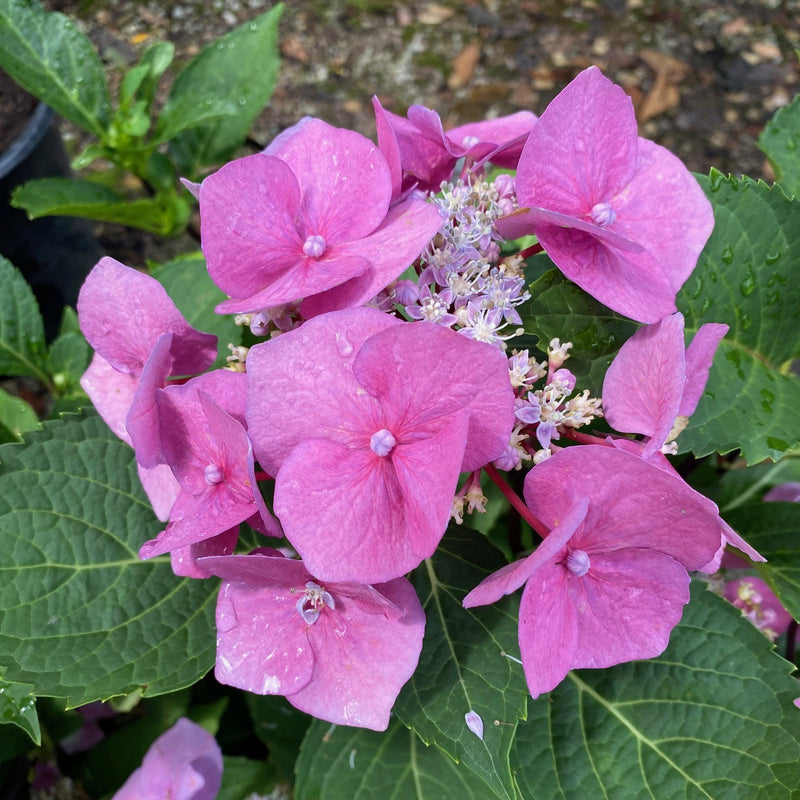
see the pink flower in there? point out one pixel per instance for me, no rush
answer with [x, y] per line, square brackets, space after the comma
[139, 336]
[184, 763]
[654, 383]
[619, 215]
[609, 582]
[366, 422]
[211, 457]
[427, 155]
[339, 651]
[753, 597]
[309, 219]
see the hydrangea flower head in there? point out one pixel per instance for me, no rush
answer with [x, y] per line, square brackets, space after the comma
[309, 216]
[619, 215]
[339, 651]
[366, 422]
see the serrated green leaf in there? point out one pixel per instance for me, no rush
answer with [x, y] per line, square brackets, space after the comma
[463, 666]
[82, 617]
[163, 214]
[712, 718]
[339, 762]
[780, 140]
[47, 54]
[16, 416]
[774, 530]
[18, 707]
[243, 777]
[239, 69]
[187, 282]
[746, 277]
[739, 487]
[559, 309]
[22, 345]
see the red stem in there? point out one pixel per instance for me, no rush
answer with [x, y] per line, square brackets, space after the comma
[516, 501]
[532, 250]
[263, 476]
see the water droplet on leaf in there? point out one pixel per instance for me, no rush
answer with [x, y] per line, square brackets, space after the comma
[727, 254]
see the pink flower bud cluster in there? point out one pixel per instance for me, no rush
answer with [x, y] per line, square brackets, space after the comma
[381, 378]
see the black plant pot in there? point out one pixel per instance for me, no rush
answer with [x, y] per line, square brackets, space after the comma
[54, 253]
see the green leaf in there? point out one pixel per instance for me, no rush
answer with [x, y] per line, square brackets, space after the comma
[780, 140]
[281, 727]
[16, 416]
[82, 617]
[558, 309]
[70, 354]
[774, 530]
[340, 762]
[187, 282]
[163, 214]
[746, 277]
[47, 54]
[739, 487]
[463, 666]
[712, 718]
[22, 346]
[242, 777]
[239, 70]
[18, 707]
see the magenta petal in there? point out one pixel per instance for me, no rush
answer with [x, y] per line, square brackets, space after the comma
[387, 143]
[510, 577]
[344, 180]
[282, 410]
[423, 371]
[643, 386]
[184, 559]
[665, 209]
[389, 250]
[331, 500]
[788, 492]
[184, 763]
[123, 313]
[248, 211]
[548, 629]
[161, 488]
[631, 504]
[499, 131]
[699, 356]
[362, 661]
[582, 150]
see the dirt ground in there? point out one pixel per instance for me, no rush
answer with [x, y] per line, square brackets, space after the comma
[705, 75]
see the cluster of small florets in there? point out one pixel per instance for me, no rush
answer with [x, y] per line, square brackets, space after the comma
[463, 284]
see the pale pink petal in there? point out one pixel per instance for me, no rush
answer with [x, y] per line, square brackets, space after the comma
[184, 763]
[784, 493]
[362, 660]
[123, 313]
[161, 487]
[301, 383]
[699, 356]
[111, 393]
[643, 386]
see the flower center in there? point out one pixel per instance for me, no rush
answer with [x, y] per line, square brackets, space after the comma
[382, 442]
[314, 246]
[213, 474]
[310, 605]
[603, 214]
[578, 562]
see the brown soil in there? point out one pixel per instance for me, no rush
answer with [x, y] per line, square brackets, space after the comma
[705, 75]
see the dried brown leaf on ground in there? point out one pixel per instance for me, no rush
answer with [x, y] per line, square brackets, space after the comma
[464, 65]
[664, 95]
